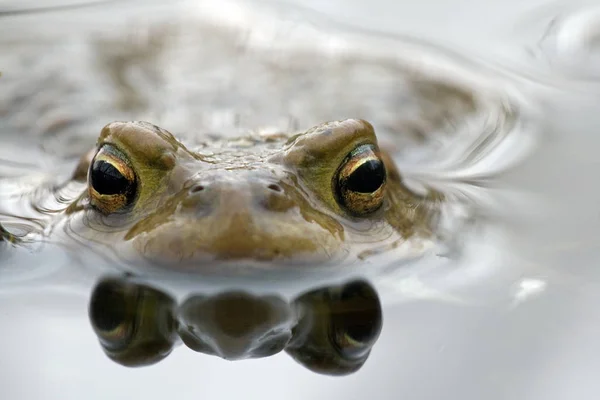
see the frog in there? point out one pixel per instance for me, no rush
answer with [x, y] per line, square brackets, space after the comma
[306, 199]
[286, 167]
[302, 199]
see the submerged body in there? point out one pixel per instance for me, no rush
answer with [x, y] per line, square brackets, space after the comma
[249, 156]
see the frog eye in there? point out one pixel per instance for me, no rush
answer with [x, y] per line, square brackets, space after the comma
[112, 181]
[359, 183]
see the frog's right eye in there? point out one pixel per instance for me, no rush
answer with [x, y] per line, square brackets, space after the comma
[112, 181]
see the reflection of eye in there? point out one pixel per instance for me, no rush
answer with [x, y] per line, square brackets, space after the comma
[338, 327]
[112, 315]
[359, 183]
[134, 323]
[112, 181]
[356, 324]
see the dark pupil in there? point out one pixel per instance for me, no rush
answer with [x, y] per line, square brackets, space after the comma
[106, 179]
[367, 178]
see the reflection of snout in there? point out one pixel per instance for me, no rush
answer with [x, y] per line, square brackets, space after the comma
[330, 330]
[236, 325]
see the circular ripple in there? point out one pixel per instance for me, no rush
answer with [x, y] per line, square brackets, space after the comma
[571, 43]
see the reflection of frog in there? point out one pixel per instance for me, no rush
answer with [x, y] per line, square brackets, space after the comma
[329, 330]
[308, 198]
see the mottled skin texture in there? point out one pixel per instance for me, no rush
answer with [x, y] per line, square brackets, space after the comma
[216, 190]
[267, 198]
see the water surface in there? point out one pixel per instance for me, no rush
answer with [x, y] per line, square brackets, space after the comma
[503, 310]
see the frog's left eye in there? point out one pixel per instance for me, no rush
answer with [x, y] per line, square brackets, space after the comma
[112, 181]
[359, 183]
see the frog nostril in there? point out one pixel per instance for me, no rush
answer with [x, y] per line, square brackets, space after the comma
[274, 187]
[196, 188]
[277, 201]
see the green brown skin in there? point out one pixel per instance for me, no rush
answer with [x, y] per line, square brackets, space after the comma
[267, 198]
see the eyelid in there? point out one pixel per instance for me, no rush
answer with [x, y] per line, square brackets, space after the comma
[112, 155]
[354, 159]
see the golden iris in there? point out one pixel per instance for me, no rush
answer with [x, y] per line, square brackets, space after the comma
[112, 181]
[359, 183]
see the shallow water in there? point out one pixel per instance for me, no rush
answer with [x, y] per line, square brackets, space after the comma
[504, 308]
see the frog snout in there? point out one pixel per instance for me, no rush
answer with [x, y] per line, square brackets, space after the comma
[242, 197]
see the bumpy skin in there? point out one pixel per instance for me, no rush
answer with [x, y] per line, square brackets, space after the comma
[263, 197]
